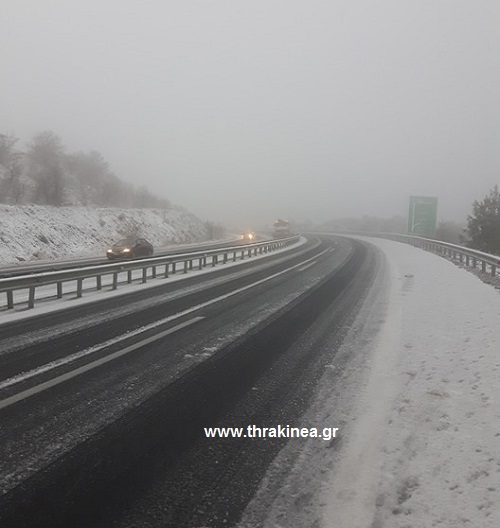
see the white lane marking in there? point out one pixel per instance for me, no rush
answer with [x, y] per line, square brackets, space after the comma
[307, 265]
[85, 368]
[77, 355]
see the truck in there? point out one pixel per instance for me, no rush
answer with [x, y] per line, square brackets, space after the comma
[281, 228]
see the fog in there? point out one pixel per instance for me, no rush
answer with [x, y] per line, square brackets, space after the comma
[243, 111]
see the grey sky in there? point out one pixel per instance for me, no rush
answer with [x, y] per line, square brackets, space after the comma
[243, 111]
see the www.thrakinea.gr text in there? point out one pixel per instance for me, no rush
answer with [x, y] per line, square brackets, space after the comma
[278, 431]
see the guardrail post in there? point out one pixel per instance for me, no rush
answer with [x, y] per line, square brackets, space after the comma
[242, 254]
[214, 260]
[250, 252]
[79, 287]
[474, 262]
[10, 299]
[185, 266]
[493, 270]
[31, 297]
[98, 281]
[129, 276]
[166, 271]
[467, 260]
[200, 263]
[115, 281]
[144, 274]
[190, 264]
[234, 256]
[225, 258]
[59, 287]
[173, 267]
[483, 266]
[153, 272]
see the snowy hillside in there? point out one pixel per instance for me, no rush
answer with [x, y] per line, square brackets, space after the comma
[34, 232]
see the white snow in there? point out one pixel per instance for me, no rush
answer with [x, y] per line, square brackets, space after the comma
[417, 403]
[424, 449]
[36, 233]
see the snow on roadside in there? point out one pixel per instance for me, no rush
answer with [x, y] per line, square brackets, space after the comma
[436, 448]
[34, 232]
[415, 390]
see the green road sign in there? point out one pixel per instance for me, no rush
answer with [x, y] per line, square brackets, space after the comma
[422, 216]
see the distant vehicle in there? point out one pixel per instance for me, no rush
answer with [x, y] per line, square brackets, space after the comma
[281, 228]
[130, 248]
[249, 236]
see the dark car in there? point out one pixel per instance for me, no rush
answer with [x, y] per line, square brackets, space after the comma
[130, 248]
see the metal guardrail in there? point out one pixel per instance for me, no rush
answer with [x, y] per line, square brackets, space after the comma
[159, 266]
[28, 268]
[470, 258]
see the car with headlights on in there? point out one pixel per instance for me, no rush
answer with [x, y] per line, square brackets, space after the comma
[130, 248]
[249, 236]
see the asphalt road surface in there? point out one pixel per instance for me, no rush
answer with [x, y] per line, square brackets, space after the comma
[103, 406]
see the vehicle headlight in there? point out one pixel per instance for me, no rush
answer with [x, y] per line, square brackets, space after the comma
[126, 250]
[109, 251]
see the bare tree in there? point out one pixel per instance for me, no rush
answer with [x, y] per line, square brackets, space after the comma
[12, 188]
[7, 144]
[90, 172]
[46, 157]
[52, 177]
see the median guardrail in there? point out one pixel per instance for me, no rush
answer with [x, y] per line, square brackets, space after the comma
[157, 266]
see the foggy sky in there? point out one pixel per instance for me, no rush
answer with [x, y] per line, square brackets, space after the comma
[244, 111]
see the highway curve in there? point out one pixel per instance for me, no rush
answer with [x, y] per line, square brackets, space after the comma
[146, 462]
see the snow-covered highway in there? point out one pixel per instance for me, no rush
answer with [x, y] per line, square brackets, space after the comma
[395, 348]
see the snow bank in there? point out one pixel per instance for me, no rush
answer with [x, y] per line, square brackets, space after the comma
[415, 390]
[424, 449]
[41, 233]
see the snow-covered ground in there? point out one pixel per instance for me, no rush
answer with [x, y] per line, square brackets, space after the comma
[34, 232]
[415, 392]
